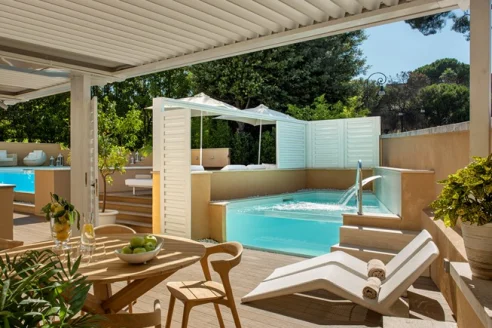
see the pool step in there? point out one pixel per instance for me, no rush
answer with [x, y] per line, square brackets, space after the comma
[133, 211]
[365, 253]
[387, 239]
[24, 208]
[385, 221]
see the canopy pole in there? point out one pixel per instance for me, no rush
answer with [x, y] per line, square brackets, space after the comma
[201, 137]
[259, 147]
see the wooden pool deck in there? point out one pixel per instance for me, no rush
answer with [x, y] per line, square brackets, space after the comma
[317, 309]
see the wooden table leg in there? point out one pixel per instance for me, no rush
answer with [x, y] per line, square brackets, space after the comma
[131, 292]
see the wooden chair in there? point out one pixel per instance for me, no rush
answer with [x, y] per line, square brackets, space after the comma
[7, 243]
[135, 320]
[114, 229]
[193, 293]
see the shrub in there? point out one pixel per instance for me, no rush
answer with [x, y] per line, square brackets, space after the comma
[467, 194]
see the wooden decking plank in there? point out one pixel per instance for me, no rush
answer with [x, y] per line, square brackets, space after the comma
[295, 311]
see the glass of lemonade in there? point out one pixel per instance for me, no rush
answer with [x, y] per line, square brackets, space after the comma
[87, 237]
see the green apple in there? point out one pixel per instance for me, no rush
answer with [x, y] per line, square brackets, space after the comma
[150, 239]
[139, 250]
[137, 241]
[127, 250]
[149, 247]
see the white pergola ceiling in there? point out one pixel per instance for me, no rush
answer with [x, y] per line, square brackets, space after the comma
[43, 42]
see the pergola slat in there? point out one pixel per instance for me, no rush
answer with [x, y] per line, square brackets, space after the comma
[143, 16]
[51, 15]
[307, 9]
[71, 37]
[181, 45]
[184, 20]
[253, 29]
[328, 7]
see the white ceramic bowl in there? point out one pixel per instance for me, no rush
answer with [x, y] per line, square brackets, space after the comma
[141, 257]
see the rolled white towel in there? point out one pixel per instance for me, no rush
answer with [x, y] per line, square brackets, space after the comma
[376, 268]
[371, 288]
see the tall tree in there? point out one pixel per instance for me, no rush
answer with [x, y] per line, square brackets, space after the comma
[429, 25]
[293, 74]
[40, 120]
[442, 70]
[445, 103]
[137, 94]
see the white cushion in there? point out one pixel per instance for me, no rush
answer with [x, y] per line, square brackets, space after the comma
[234, 168]
[256, 167]
[139, 183]
[3, 154]
[270, 166]
[197, 168]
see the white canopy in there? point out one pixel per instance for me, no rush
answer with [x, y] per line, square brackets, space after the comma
[268, 116]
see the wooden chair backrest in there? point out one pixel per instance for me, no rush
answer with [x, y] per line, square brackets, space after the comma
[222, 267]
[113, 229]
[134, 320]
[7, 243]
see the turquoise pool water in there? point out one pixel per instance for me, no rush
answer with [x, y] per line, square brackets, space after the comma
[304, 223]
[22, 177]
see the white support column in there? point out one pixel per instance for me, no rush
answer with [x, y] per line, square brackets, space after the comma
[480, 93]
[80, 125]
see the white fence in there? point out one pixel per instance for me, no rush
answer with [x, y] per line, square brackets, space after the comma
[291, 145]
[174, 159]
[341, 143]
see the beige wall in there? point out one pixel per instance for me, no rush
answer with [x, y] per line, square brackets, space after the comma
[444, 153]
[211, 157]
[23, 149]
[200, 199]
[7, 212]
[451, 247]
[334, 178]
[156, 201]
[50, 181]
[241, 184]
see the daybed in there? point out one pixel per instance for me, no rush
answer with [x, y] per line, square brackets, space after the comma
[35, 158]
[7, 159]
[140, 181]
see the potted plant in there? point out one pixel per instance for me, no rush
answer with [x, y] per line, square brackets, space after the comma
[38, 290]
[467, 197]
[62, 216]
[112, 159]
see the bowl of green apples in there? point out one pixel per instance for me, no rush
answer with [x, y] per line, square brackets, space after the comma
[141, 249]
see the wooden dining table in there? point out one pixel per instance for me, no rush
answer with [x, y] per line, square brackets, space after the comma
[105, 268]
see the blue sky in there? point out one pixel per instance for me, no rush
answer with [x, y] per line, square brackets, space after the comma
[395, 47]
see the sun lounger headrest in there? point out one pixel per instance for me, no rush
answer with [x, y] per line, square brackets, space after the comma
[412, 247]
[402, 278]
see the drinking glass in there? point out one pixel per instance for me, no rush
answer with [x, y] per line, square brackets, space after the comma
[88, 235]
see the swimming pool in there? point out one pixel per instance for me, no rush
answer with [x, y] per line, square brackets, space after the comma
[304, 223]
[23, 177]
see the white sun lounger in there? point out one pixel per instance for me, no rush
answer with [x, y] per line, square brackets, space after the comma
[344, 283]
[140, 181]
[352, 263]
